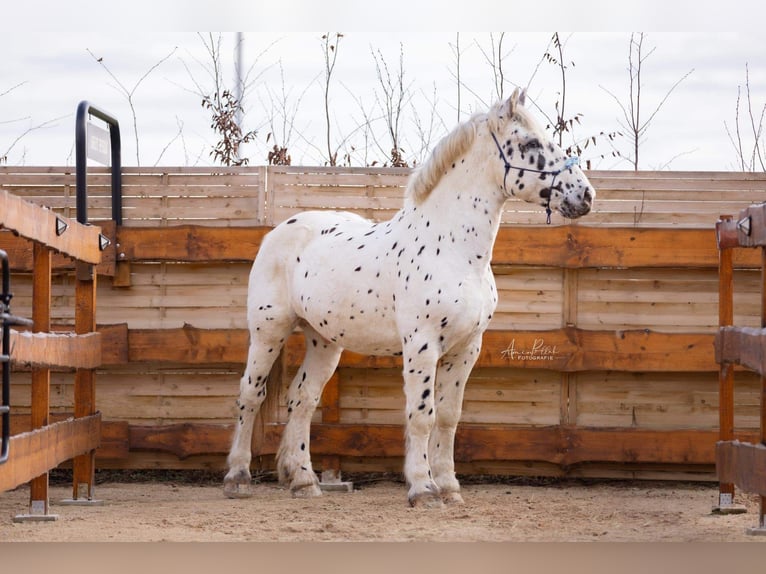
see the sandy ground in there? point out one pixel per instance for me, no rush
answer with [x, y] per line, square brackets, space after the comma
[190, 509]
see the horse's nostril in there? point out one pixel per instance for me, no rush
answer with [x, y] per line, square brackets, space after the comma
[588, 195]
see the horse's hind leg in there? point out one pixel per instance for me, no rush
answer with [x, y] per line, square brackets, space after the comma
[268, 331]
[293, 457]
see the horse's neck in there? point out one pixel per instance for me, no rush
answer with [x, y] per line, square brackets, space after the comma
[462, 213]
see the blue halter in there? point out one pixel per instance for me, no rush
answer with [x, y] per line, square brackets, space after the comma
[568, 164]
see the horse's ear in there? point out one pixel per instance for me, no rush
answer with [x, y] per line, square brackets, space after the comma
[517, 99]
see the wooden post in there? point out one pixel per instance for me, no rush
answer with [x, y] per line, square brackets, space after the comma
[84, 466]
[39, 499]
[726, 370]
[331, 414]
[331, 479]
[761, 524]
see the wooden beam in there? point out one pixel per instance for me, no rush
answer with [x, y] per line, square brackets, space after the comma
[742, 464]
[56, 349]
[567, 349]
[115, 435]
[581, 246]
[575, 350]
[40, 225]
[33, 453]
[560, 246]
[744, 346]
[19, 250]
[187, 345]
[189, 243]
[184, 439]
[561, 445]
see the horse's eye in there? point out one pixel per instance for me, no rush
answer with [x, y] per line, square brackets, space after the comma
[534, 143]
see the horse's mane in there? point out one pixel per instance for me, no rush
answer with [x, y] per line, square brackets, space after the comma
[456, 143]
[453, 145]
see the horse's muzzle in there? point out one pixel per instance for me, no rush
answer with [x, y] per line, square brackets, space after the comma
[577, 206]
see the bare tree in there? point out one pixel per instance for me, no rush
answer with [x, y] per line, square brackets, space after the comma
[224, 107]
[633, 120]
[428, 128]
[26, 131]
[283, 108]
[394, 95]
[559, 122]
[458, 55]
[495, 58]
[754, 156]
[330, 47]
[366, 125]
[224, 98]
[129, 93]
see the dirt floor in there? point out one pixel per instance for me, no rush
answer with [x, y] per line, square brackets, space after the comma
[190, 507]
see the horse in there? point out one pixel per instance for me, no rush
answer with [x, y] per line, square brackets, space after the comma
[419, 286]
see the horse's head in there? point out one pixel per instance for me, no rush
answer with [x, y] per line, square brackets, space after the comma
[531, 166]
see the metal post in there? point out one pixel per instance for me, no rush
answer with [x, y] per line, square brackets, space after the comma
[84, 109]
[5, 357]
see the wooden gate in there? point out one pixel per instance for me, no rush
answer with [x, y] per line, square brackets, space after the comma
[740, 464]
[32, 454]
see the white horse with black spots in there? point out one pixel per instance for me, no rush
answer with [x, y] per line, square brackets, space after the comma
[419, 286]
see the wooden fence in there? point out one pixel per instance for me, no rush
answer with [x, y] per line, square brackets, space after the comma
[740, 464]
[598, 362]
[46, 444]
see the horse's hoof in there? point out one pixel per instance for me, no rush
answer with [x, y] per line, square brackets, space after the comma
[452, 498]
[306, 491]
[426, 500]
[237, 490]
[237, 485]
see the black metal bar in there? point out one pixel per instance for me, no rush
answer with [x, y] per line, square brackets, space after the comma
[84, 109]
[5, 299]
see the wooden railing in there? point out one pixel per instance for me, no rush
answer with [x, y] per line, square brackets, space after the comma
[740, 464]
[32, 454]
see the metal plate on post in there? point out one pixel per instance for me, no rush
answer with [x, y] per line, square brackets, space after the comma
[82, 498]
[726, 505]
[331, 482]
[99, 147]
[38, 512]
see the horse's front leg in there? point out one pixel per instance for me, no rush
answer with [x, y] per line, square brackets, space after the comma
[420, 358]
[451, 378]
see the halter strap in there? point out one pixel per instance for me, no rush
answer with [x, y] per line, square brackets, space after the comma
[569, 163]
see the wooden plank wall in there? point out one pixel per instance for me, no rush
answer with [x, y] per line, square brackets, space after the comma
[599, 361]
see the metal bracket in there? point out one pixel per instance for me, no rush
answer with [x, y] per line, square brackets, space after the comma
[744, 225]
[38, 512]
[331, 482]
[83, 498]
[726, 505]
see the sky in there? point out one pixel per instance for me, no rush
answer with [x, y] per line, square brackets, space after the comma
[151, 69]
